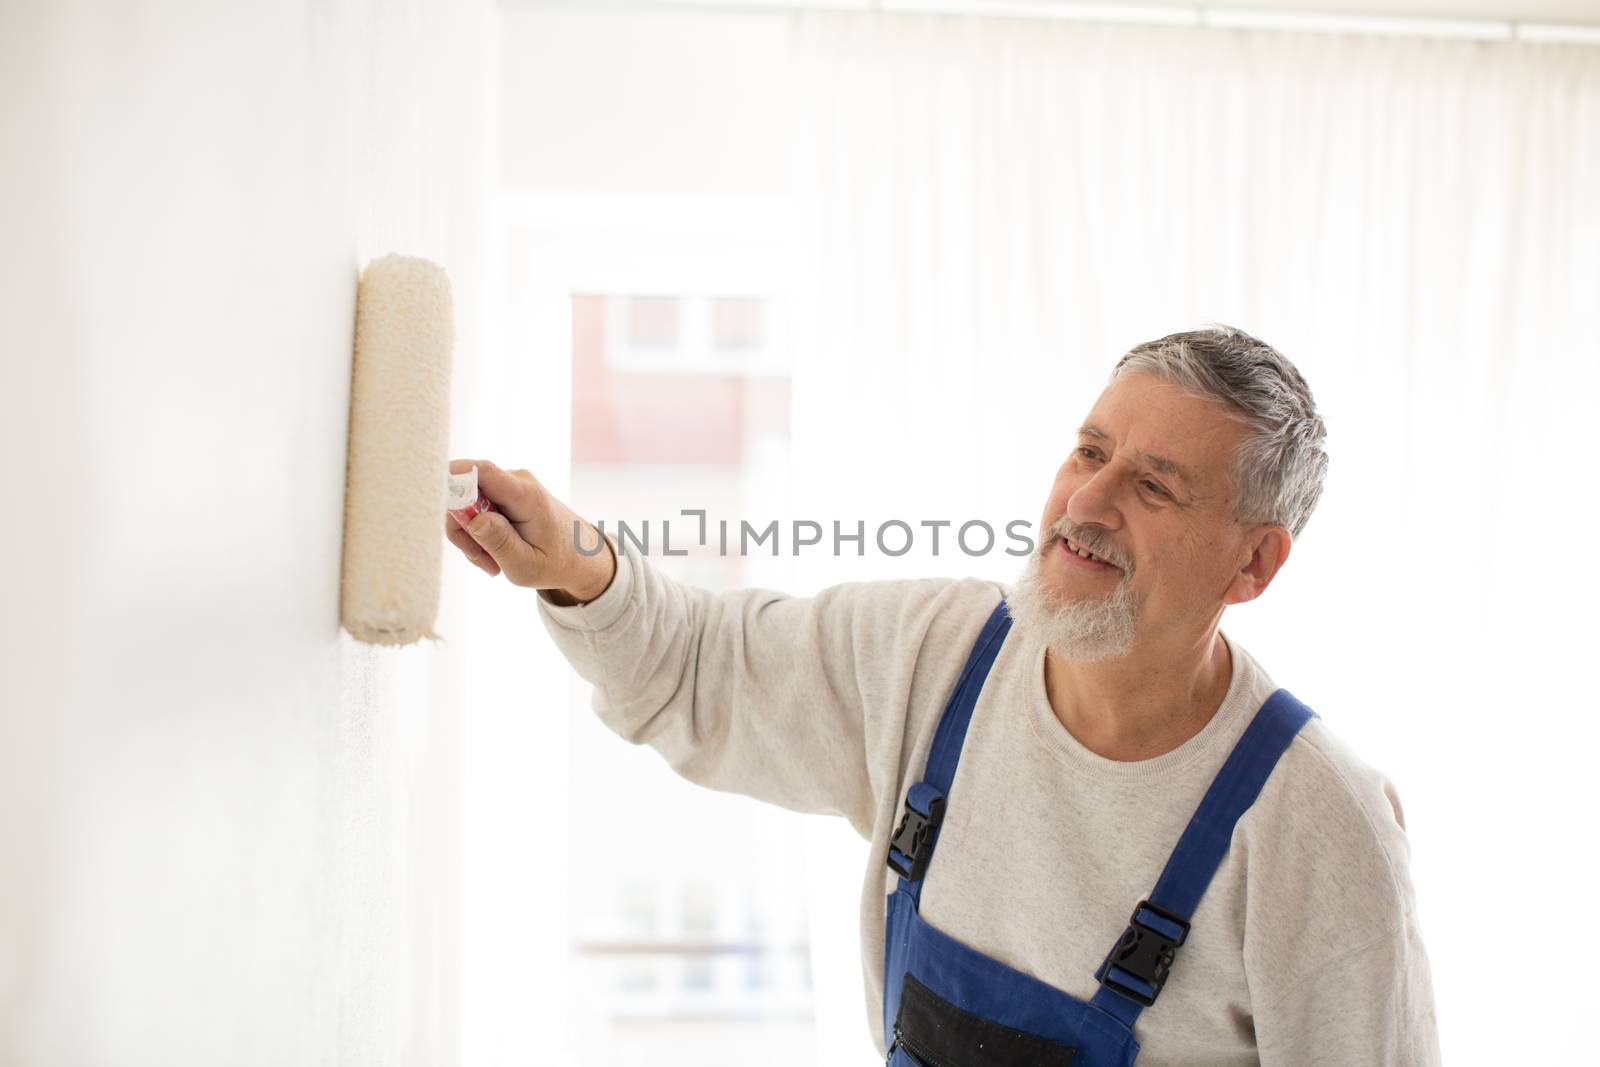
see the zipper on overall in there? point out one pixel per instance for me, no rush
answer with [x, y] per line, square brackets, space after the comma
[922, 1058]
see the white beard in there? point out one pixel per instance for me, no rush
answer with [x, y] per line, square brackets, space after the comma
[1077, 629]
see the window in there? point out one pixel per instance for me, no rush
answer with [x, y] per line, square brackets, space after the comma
[681, 950]
[694, 333]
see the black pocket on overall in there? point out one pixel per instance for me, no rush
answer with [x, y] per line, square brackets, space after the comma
[940, 1034]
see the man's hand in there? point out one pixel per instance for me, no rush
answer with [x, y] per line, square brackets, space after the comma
[531, 537]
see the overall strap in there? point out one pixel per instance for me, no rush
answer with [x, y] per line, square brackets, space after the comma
[1137, 967]
[911, 847]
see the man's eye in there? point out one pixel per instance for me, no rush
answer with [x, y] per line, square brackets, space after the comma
[1157, 488]
[1085, 451]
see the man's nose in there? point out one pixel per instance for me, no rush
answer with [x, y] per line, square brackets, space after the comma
[1095, 502]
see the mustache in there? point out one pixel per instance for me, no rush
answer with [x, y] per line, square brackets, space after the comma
[1086, 537]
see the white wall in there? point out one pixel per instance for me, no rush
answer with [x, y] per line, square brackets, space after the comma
[667, 103]
[228, 833]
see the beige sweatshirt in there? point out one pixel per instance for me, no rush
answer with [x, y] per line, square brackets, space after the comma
[1305, 950]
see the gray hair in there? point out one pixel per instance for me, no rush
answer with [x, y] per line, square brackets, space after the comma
[1279, 467]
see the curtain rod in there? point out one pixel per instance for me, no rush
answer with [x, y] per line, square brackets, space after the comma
[1231, 18]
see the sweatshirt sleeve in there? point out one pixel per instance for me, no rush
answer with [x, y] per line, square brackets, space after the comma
[1373, 1005]
[1333, 943]
[798, 701]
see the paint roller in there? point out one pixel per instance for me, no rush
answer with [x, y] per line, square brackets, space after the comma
[397, 477]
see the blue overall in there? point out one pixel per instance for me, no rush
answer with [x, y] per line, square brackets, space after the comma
[948, 1005]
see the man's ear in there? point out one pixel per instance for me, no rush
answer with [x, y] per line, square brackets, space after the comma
[1269, 546]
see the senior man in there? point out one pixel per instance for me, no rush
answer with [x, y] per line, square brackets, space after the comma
[1100, 832]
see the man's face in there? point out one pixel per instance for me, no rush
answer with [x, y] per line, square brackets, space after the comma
[1145, 488]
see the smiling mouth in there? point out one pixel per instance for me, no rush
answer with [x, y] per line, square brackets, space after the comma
[1085, 554]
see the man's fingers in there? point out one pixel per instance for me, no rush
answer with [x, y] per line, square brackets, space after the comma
[502, 540]
[469, 548]
[496, 537]
[513, 492]
[493, 537]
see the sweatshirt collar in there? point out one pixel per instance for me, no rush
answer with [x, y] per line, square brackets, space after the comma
[1226, 723]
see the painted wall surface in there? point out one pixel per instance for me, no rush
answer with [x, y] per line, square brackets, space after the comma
[660, 102]
[228, 833]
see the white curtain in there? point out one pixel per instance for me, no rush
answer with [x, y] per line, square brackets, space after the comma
[999, 208]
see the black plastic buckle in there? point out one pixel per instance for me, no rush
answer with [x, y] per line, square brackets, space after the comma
[1143, 958]
[912, 845]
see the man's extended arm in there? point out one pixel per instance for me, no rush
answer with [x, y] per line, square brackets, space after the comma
[799, 701]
